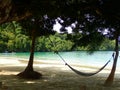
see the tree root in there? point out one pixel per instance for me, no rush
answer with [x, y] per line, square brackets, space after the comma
[30, 75]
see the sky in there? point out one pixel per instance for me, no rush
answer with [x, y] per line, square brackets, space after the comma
[57, 27]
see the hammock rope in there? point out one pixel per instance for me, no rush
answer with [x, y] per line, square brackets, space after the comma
[80, 72]
[83, 73]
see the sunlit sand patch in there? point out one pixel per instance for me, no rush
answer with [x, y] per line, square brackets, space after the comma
[56, 75]
[45, 80]
[29, 82]
[4, 72]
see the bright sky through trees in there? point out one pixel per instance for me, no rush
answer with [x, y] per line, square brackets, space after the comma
[57, 27]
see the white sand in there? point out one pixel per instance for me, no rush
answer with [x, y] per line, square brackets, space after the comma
[56, 76]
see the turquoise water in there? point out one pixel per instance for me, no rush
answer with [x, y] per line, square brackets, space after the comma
[79, 57]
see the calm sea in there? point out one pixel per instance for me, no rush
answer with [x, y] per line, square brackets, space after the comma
[98, 58]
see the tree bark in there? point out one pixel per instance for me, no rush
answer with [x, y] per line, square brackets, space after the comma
[110, 79]
[31, 58]
[29, 72]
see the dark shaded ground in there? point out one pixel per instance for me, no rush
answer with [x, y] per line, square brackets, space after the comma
[54, 78]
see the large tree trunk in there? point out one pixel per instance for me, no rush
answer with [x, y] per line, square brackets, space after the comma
[29, 72]
[109, 80]
[31, 58]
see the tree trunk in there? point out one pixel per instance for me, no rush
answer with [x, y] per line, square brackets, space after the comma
[29, 72]
[31, 58]
[109, 80]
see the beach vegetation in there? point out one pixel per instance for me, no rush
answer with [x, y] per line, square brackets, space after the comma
[94, 19]
[13, 39]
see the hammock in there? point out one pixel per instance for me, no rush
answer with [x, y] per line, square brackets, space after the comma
[87, 74]
[80, 72]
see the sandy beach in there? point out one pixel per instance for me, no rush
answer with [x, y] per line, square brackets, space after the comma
[56, 76]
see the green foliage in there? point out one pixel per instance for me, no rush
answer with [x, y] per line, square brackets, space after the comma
[90, 15]
[110, 45]
[13, 39]
[59, 43]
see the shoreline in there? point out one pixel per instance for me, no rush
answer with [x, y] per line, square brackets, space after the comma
[55, 75]
[8, 61]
